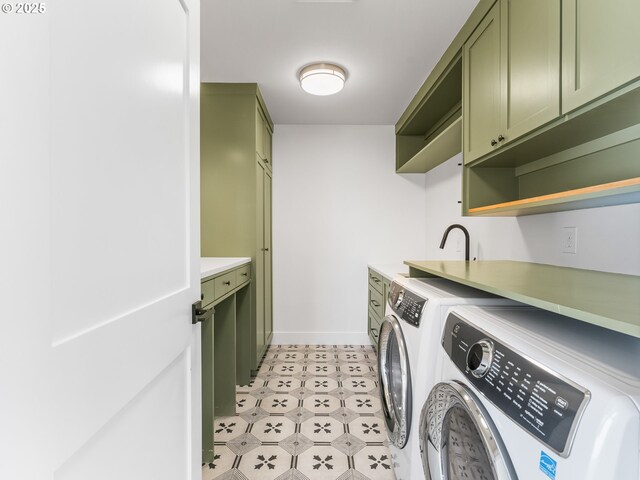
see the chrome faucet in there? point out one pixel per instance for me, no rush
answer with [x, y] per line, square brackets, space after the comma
[466, 238]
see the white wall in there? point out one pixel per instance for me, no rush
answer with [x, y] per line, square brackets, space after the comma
[337, 205]
[608, 237]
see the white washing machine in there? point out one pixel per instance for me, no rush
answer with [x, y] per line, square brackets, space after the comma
[407, 346]
[531, 395]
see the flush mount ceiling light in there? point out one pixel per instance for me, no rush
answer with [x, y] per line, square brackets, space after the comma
[322, 79]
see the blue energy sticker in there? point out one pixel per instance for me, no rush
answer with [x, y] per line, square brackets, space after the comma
[548, 465]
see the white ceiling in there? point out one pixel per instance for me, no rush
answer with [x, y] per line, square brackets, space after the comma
[388, 48]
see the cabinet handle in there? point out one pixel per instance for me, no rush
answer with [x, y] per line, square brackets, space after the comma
[493, 142]
[500, 137]
[265, 249]
[199, 314]
[266, 160]
[244, 274]
[374, 303]
[226, 283]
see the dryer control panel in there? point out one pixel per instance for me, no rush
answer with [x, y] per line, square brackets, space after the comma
[541, 401]
[407, 305]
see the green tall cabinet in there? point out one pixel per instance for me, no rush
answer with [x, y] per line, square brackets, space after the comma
[235, 189]
[264, 323]
[511, 74]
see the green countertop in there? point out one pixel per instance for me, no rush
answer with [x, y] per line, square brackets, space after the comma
[610, 300]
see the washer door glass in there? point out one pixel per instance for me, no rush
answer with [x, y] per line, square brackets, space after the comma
[464, 455]
[458, 440]
[394, 381]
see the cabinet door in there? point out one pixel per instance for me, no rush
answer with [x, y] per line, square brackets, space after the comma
[530, 66]
[600, 48]
[207, 362]
[385, 293]
[481, 87]
[260, 263]
[260, 131]
[268, 290]
[267, 147]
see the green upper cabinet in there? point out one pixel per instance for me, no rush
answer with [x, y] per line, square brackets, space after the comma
[511, 74]
[268, 159]
[260, 133]
[263, 137]
[429, 132]
[601, 51]
[531, 65]
[481, 88]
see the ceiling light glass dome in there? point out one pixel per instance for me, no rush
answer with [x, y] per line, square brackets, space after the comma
[322, 79]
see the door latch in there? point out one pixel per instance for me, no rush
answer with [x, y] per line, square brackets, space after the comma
[199, 314]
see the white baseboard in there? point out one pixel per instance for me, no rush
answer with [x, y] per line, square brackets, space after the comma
[320, 338]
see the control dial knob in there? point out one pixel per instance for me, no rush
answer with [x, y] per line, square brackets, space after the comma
[479, 358]
[399, 299]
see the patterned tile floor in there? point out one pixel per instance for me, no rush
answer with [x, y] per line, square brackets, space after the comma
[311, 413]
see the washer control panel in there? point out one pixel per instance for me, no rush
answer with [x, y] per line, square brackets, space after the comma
[542, 402]
[407, 305]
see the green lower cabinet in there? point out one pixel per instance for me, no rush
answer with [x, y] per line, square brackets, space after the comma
[243, 336]
[218, 337]
[225, 347]
[378, 290]
[224, 371]
[387, 288]
[207, 334]
[375, 301]
[374, 328]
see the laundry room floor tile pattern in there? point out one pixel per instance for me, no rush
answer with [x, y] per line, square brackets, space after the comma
[311, 413]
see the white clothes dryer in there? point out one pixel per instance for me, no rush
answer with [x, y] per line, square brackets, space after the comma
[531, 395]
[407, 346]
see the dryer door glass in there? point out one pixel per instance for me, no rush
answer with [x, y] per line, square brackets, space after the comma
[458, 439]
[394, 381]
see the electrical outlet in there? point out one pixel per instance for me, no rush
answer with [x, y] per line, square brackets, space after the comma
[570, 240]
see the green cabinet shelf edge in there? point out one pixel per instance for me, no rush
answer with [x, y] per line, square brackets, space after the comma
[444, 146]
[609, 300]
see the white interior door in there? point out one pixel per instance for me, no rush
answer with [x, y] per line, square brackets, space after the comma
[99, 247]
